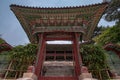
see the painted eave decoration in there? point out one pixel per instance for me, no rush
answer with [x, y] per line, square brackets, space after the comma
[82, 19]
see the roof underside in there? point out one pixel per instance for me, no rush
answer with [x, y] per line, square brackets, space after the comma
[112, 47]
[72, 19]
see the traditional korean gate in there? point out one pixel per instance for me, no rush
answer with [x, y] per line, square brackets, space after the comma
[73, 22]
[42, 54]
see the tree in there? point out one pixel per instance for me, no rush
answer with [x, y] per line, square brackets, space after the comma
[22, 57]
[93, 56]
[110, 35]
[98, 30]
[113, 11]
[4, 61]
[1, 41]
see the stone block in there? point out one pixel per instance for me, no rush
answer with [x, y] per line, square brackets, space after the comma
[118, 77]
[25, 79]
[8, 79]
[31, 69]
[84, 69]
[32, 76]
[89, 79]
[85, 75]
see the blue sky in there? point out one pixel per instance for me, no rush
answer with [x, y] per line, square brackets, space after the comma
[10, 28]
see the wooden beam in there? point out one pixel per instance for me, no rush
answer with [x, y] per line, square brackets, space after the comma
[40, 56]
[58, 38]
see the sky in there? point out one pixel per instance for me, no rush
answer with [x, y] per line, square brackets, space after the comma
[10, 28]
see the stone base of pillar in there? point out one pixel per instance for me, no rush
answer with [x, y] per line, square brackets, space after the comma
[117, 77]
[89, 79]
[86, 76]
[28, 76]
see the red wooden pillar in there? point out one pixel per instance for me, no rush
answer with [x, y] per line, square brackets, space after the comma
[77, 35]
[77, 57]
[40, 55]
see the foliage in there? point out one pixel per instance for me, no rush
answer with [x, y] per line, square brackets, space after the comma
[118, 43]
[113, 61]
[1, 41]
[113, 11]
[4, 61]
[94, 58]
[98, 30]
[110, 35]
[22, 57]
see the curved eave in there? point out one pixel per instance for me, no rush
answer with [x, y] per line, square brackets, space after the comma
[95, 22]
[112, 47]
[6, 46]
[26, 26]
[23, 24]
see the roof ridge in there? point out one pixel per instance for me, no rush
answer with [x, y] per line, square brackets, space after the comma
[22, 6]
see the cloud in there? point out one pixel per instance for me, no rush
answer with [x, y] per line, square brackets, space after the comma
[102, 22]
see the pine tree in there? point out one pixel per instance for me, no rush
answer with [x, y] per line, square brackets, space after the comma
[113, 11]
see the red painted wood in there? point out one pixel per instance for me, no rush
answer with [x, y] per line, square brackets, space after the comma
[76, 56]
[59, 55]
[58, 78]
[111, 47]
[40, 56]
[50, 39]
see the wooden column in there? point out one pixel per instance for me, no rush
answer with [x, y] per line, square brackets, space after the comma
[78, 47]
[40, 55]
[77, 57]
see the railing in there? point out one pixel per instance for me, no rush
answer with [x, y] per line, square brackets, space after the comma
[12, 74]
[101, 74]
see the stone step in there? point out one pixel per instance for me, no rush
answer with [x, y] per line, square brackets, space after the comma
[58, 63]
[59, 71]
[58, 68]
